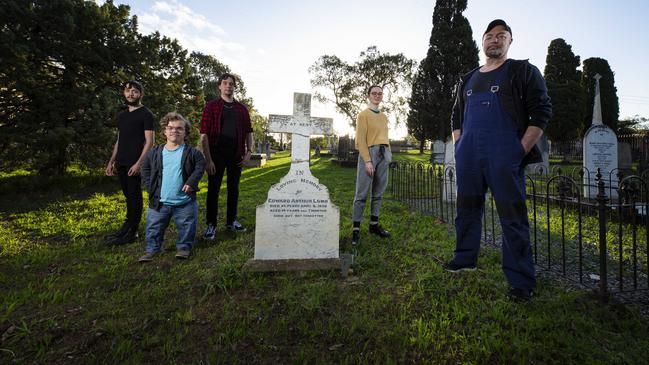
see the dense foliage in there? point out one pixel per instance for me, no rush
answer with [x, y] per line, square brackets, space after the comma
[62, 66]
[562, 79]
[451, 53]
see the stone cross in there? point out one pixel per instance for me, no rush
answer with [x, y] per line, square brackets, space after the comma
[597, 105]
[302, 126]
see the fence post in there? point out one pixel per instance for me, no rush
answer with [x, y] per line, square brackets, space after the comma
[440, 176]
[602, 200]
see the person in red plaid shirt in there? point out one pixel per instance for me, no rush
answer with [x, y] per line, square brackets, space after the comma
[226, 138]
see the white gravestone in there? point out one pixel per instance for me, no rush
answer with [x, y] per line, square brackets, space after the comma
[543, 166]
[450, 188]
[438, 149]
[298, 226]
[600, 151]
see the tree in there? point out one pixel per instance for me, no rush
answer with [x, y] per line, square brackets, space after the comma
[419, 121]
[346, 85]
[57, 75]
[633, 125]
[562, 79]
[451, 53]
[62, 66]
[259, 126]
[608, 92]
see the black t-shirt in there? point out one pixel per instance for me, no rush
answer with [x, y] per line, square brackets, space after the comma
[131, 134]
[228, 135]
[483, 81]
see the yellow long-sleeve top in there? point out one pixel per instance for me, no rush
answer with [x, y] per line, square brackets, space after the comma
[371, 129]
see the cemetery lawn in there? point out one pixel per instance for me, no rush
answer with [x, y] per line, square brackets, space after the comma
[66, 297]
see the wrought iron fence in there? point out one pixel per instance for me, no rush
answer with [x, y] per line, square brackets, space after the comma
[590, 228]
[573, 150]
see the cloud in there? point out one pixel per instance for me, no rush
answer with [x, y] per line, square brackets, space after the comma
[193, 30]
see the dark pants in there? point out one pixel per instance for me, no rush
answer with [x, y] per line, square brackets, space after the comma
[222, 162]
[132, 189]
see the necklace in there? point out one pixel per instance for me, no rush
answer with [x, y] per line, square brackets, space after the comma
[225, 105]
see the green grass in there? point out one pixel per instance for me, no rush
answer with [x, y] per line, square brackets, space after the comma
[68, 298]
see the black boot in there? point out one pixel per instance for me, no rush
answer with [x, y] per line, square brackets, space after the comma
[120, 232]
[130, 236]
[356, 235]
[379, 231]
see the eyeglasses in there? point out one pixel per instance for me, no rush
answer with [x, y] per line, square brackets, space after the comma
[177, 129]
[376, 94]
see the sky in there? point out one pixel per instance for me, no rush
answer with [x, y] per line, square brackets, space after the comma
[271, 44]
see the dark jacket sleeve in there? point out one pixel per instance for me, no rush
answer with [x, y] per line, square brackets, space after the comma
[199, 168]
[537, 101]
[145, 169]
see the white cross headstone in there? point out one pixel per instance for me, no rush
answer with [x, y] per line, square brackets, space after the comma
[298, 225]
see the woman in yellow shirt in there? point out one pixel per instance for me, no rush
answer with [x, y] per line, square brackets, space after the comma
[373, 161]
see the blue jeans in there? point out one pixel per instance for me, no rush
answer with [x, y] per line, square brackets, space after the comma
[186, 218]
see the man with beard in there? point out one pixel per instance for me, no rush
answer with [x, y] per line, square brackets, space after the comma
[134, 140]
[226, 139]
[500, 112]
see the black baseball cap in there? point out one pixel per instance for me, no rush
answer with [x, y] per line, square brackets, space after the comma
[495, 23]
[134, 84]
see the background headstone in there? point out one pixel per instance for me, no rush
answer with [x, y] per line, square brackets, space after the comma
[438, 152]
[543, 166]
[256, 160]
[624, 156]
[449, 192]
[600, 151]
[267, 148]
[346, 155]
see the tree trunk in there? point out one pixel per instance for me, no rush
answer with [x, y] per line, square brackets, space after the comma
[56, 163]
[421, 146]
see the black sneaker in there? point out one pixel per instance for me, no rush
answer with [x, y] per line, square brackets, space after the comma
[519, 295]
[453, 267]
[379, 231]
[356, 236]
[210, 232]
[235, 227]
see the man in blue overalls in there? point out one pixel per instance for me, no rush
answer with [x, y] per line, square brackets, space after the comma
[500, 112]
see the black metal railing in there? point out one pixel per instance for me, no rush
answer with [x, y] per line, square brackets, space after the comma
[590, 228]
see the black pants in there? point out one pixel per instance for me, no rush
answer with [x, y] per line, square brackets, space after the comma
[132, 189]
[222, 162]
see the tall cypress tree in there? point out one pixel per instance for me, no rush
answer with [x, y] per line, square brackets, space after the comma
[608, 92]
[418, 121]
[562, 79]
[451, 53]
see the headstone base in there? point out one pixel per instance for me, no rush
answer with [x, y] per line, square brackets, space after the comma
[294, 265]
[256, 160]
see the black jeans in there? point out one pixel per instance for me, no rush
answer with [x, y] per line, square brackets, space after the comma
[222, 162]
[132, 189]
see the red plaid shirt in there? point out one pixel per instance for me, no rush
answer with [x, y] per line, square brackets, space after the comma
[211, 124]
